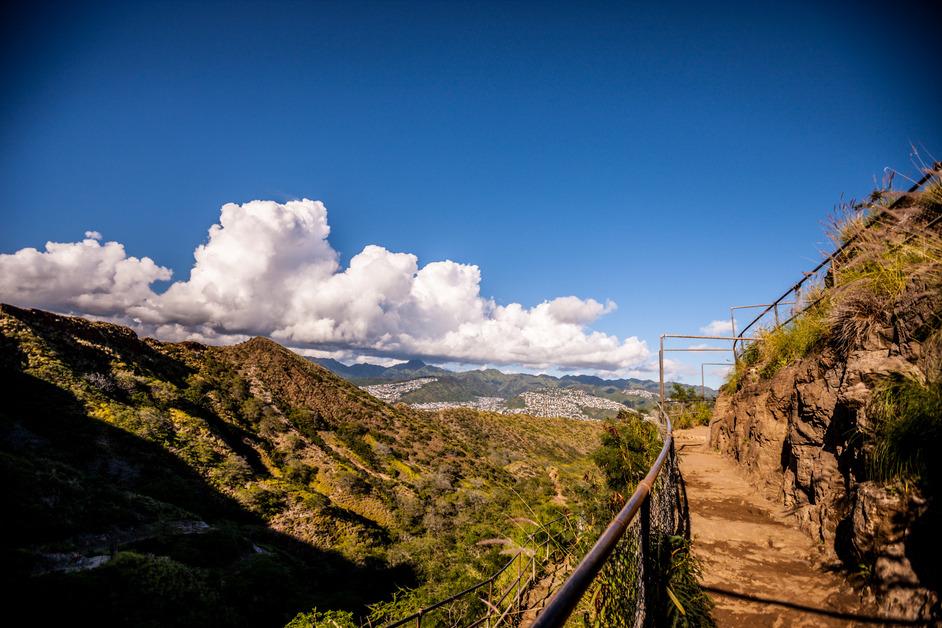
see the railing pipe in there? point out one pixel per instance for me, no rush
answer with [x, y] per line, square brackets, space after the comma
[931, 172]
[560, 607]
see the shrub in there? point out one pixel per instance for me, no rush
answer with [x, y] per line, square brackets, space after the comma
[907, 431]
[308, 422]
[629, 446]
[232, 472]
[692, 415]
[326, 619]
[683, 601]
[786, 344]
[263, 500]
[298, 472]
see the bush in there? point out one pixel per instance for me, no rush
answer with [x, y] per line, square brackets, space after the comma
[308, 422]
[233, 472]
[629, 447]
[263, 500]
[326, 619]
[907, 432]
[683, 601]
[692, 415]
[299, 473]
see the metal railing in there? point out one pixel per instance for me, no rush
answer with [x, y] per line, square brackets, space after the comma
[568, 597]
[504, 606]
[796, 289]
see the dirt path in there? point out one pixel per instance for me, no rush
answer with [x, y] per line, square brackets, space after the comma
[760, 568]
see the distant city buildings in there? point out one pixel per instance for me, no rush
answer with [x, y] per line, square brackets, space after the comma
[549, 402]
[638, 392]
[390, 393]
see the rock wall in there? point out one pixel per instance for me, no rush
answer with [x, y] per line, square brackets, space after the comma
[800, 435]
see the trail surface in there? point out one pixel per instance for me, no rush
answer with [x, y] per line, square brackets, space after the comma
[759, 567]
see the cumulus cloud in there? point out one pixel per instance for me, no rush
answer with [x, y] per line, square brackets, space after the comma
[268, 268]
[718, 328]
[86, 276]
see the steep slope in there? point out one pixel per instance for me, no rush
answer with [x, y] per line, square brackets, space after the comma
[839, 415]
[175, 484]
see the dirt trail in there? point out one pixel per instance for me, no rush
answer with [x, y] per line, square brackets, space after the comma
[761, 569]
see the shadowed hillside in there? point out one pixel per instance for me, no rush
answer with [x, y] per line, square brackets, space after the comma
[176, 484]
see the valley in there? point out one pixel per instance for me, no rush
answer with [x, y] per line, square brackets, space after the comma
[426, 387]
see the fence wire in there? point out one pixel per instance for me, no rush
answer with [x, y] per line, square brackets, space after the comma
[630, 586]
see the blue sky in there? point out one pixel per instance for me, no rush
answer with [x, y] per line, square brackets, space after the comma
[673, 158]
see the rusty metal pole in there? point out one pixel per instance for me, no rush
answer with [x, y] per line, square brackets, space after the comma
[490, 602]
[647, 564]
[660, 360]
[702, 385]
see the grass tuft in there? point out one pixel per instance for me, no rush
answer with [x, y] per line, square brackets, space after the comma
[907, 431]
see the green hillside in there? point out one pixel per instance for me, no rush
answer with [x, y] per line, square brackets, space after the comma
[155, 484]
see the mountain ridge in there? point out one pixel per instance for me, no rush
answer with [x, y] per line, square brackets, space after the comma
[178, 484]
[466, 386]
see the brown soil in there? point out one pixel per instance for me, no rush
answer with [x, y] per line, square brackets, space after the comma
[758, 567]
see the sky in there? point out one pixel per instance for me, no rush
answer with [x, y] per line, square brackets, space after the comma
[537, 186]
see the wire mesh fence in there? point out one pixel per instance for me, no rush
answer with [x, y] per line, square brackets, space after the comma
[502, 598]
[630, 588]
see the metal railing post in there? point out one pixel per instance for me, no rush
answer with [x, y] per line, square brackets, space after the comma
[660, 361]
[517, 594]
[490, 602]
[647, 566]
[702, 385]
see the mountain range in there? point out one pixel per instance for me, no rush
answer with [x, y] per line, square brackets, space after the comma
[466, 386]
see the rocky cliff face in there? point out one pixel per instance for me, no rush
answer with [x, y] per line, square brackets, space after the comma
[798, 433]
[804, 433]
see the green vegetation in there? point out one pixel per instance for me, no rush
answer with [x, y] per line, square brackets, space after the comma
[629, 447]
[683, 603]
[687, 409]
[329, 619]
[907, 432]
[246, 484]
[893, 264]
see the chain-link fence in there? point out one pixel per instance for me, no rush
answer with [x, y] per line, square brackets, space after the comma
[630, 585]
[622, 579]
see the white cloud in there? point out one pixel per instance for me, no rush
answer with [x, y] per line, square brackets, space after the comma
[85, 276]
[718, 328]
[268, 269]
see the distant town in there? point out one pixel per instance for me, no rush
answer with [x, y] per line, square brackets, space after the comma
[549, 402]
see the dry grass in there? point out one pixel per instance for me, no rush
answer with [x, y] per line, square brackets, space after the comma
[898, 261]
[892, 267]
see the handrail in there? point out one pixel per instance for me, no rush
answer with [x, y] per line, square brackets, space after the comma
[565, 600]
[930, 172]
[417, 615]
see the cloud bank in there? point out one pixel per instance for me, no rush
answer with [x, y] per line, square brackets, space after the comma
[268, 269]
